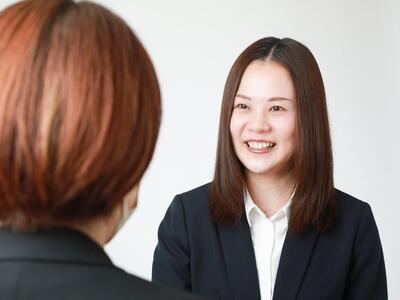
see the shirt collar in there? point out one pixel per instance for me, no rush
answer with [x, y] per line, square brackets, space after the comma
[250, 206]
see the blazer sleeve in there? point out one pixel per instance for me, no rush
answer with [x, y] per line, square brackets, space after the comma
[171, 263]
[367, 276]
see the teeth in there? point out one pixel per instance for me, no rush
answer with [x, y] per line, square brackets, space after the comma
[260, 145]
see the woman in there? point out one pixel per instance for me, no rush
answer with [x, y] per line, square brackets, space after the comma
[79, 118]
[271, 225]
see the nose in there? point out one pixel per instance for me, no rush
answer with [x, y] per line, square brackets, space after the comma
[259, 122]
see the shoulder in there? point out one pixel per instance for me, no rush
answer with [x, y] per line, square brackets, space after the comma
[360, 239]
[80, 281]
[126, 285]
[201, 192]
[354, 214]
[349, 206]
[347, 200]
[195, 200]
[189, 209]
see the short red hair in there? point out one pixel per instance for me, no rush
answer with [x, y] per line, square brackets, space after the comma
[79, 111]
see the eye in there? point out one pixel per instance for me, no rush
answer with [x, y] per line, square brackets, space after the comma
[276, 108]
[241, 106]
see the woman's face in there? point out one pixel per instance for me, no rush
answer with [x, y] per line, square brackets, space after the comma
[263, 122]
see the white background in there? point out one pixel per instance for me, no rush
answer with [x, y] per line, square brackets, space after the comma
[193, 45]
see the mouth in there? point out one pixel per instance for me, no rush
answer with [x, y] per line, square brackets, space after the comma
[259, 146]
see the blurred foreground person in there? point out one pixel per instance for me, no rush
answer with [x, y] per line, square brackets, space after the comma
[79, 118]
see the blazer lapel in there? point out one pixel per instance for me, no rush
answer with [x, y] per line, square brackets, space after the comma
[294, 260]
[240, 260]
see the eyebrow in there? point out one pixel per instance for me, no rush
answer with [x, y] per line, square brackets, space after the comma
[270, 99]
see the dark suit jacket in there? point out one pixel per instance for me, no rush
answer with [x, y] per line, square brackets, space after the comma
[217, 261]
[62, 264]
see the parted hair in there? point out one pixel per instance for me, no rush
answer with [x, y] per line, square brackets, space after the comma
[314, 201]
[79, 112]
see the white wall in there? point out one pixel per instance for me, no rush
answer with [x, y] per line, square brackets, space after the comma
[194, 43]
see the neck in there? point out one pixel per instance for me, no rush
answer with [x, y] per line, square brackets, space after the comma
[94, 230]
[270, 193]
[100, 229]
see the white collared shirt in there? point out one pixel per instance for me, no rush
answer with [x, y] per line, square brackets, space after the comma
[268, 236]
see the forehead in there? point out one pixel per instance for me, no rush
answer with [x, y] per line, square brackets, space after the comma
[266, 79]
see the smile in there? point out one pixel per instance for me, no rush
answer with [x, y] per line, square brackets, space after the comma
[259, 145]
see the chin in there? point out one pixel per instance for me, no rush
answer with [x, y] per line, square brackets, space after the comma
[259, 170]
[265, 168]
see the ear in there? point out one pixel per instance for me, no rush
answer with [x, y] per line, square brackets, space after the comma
[131, 197]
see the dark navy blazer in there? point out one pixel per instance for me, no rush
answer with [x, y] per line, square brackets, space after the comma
[63, 264]
[218, 262]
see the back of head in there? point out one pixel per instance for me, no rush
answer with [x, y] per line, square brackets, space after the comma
[79, 112]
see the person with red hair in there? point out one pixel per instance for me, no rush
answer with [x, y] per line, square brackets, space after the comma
[79, 117]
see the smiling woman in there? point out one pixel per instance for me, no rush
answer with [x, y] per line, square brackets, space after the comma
[271, 225]
[272, 69]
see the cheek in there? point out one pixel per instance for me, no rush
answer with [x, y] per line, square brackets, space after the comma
[235, 127]
[291, 138]
[288, 129]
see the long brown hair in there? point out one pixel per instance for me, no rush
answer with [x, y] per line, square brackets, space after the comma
[314, 200]
[79, 111]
